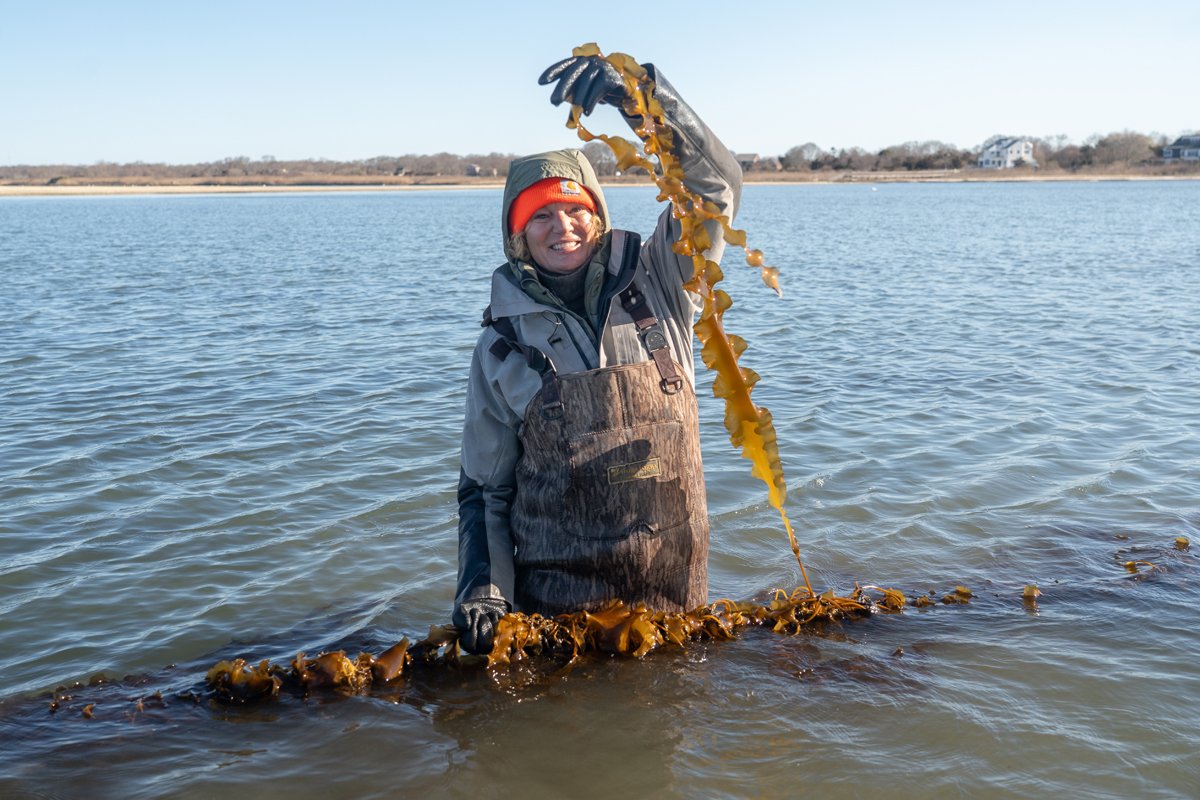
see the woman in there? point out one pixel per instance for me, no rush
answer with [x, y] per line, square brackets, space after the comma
[581, 475]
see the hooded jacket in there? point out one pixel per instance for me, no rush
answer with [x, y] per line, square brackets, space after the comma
[500, 389]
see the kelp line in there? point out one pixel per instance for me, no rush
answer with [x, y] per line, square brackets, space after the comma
[532, 649]
[553, 646]
[563, 640]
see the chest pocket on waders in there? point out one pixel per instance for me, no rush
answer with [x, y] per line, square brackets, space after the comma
[630, 469]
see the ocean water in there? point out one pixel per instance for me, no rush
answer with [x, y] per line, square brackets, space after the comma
[229, 426]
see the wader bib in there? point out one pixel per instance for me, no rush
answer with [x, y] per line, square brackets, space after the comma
[610, 500]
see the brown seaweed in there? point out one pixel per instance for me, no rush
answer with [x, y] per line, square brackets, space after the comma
[616, 629]
[635, 630]
[750, 427]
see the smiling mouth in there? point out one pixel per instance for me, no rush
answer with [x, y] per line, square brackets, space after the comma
[566, 246]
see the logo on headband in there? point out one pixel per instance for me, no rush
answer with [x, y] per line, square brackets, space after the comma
[570, 188]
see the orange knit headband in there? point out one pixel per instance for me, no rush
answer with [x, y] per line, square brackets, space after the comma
[543, 193]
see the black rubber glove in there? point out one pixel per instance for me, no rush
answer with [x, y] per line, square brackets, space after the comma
[476, 621]
[585, 81]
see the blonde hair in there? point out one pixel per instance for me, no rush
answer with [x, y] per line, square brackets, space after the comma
[520, 248]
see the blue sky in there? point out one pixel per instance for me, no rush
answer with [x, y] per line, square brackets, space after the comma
[199, 81]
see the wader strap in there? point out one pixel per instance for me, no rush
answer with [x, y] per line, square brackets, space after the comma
[552, 406]
[634, 303]
[626, 249]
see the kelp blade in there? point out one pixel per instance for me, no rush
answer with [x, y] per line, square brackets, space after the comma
[751, 428]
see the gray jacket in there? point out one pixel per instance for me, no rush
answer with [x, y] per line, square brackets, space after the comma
[500, 388]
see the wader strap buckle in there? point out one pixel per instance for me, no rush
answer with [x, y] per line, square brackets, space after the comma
[552, 407]
[653, 339]
[671, 381]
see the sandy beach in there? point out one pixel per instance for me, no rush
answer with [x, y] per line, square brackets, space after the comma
[440, 184]
[12, 190]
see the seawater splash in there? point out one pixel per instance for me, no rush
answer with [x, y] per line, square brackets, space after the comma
[750, 427]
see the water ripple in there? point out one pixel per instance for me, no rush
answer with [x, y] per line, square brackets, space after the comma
[231, 427]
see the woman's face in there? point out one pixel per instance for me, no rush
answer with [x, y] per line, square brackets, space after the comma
[559, 237]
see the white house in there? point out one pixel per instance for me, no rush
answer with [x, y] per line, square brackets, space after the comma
[1007, 153]
[1185, 148]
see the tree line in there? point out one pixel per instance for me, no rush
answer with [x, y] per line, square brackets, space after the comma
[267, 167]
[1121, 150]
[1115, 152]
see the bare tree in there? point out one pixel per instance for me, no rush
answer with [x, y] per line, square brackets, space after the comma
[1126, 147]
[801, 157]
[602, 158]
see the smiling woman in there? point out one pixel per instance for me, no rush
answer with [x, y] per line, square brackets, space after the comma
[561, 237]
[554, 224]
[581, 478]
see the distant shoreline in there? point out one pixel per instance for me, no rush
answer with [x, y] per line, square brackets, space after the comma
[134, 186]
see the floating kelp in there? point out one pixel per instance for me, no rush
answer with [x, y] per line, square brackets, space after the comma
[636, 630]
[552, 645]
[239, 682]
[616, 629]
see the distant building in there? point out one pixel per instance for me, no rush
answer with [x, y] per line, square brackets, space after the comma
[1185, 148]
[476, 171]
[746, 160]
[1007, 153]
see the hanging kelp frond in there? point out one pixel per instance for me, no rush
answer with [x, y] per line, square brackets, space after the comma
[750, 427]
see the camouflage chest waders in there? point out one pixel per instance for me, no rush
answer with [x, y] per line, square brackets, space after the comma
[610, 500]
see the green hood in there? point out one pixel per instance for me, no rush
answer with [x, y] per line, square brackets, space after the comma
[524, 172]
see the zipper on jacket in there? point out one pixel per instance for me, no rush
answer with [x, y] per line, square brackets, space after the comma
[591, 354]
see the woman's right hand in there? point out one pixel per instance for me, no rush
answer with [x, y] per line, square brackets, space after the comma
[585, 81]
